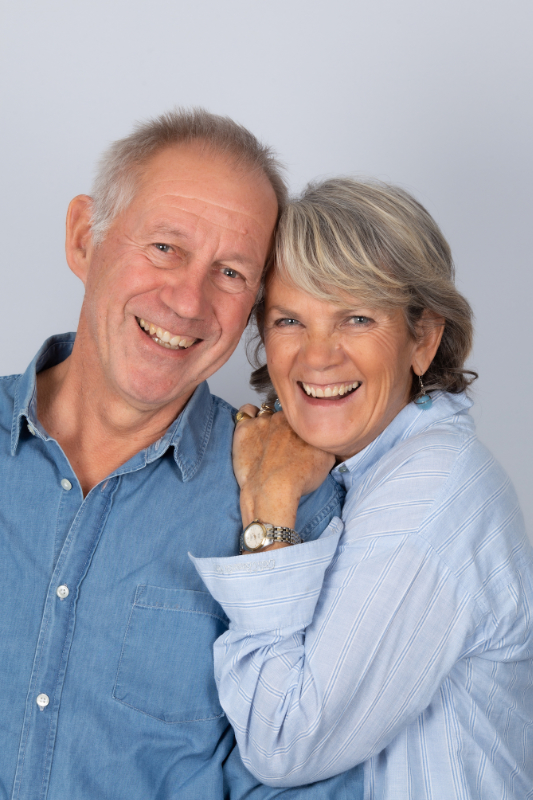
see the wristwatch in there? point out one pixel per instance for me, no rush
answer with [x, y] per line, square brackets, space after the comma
[258, 534]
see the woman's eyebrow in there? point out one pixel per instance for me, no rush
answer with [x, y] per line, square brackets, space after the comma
[281, 310]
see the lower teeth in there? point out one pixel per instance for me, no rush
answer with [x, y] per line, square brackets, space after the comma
[332, 396]
[166, 344]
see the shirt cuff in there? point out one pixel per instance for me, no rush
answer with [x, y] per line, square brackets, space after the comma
[273, 589]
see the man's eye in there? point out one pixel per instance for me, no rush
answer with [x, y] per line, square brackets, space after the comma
[230, 273]
[163, 248]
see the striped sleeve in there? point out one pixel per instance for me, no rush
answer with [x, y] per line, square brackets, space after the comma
[398, 645]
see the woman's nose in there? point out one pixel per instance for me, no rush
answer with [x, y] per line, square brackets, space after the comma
[321, 351]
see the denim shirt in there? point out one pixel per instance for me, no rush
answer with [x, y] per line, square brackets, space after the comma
[106, 629]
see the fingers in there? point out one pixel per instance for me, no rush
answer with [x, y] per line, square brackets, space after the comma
[240, 415]
[247, 411]
[266, 408]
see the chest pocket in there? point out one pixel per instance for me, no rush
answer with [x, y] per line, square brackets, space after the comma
[166, 664]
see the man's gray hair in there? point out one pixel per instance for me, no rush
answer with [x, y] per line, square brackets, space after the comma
[120, 165]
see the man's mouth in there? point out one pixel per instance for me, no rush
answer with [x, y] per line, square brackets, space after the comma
[164, 338]
[331, 390]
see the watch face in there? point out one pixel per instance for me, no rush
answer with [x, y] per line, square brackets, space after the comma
[254, 535]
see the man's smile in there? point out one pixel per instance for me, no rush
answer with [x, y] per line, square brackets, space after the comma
[164, 338]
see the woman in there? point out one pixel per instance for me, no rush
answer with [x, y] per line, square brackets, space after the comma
[401, 638]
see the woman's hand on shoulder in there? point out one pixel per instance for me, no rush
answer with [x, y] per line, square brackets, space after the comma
[274, 467]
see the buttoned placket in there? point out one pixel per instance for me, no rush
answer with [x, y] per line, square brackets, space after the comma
[43, 700]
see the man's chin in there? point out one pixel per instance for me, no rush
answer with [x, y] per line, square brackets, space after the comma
[147, 394]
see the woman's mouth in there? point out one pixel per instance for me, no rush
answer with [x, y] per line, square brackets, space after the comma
[164, 338]
[331, 390]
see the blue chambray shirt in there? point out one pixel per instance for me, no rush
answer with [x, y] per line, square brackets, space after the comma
[106, 630]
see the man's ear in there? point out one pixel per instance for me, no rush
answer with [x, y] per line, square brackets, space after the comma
[79, 245]
[429, 328]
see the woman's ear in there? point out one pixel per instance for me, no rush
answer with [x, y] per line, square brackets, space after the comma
[429, 329]
[78, 245]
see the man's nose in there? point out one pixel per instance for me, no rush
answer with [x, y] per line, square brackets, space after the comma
[188, 291]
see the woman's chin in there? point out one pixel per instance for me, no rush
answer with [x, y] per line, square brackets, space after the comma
[329, 424]
[329, 438]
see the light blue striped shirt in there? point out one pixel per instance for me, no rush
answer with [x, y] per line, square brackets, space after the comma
[402, 637]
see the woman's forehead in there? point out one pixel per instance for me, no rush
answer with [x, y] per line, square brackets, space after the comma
[279, 286]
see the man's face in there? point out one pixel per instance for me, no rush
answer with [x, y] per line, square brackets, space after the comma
[170, 289]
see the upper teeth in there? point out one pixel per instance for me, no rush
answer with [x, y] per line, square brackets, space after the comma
[165, 338]
[330, 391]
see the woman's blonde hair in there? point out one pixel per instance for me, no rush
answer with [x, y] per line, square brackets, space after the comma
[373, 241]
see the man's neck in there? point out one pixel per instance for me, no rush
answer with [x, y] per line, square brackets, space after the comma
[97, 429]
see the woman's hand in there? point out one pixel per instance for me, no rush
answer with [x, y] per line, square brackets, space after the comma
[274, 468]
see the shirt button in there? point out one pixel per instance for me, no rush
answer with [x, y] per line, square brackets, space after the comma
[62, 592]
[66, 484]
[342, 468]
[42, 700]
[31, 429]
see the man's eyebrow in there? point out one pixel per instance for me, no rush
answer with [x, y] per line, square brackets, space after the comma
[167, 230]
[237, 258]
[157, 231]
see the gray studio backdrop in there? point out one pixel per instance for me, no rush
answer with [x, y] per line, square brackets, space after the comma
[435, 96]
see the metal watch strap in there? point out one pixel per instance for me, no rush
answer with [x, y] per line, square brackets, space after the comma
[286, 535]
[272, 533]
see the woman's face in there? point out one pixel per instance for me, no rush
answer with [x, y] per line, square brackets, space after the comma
[342, 372]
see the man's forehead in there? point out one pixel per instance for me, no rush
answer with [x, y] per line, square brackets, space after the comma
[210, 171]
[180, 188]
[203, 187]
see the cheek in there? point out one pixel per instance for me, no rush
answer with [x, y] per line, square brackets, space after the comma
[233, 312]
[278, 363]
[396, 374]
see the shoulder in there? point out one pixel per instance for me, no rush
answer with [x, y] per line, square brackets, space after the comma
[412, 472]
[447, 495]
[7, 382]
[224, 410]
[222, 423]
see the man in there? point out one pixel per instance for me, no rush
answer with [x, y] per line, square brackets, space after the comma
[115, 463]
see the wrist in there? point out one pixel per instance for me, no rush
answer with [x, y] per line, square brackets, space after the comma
[278, 508]
[280, 514]
[260, 535]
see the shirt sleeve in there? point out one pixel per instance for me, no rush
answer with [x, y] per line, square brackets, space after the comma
[333, 648]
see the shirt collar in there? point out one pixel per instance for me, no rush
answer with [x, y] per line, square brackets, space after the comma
[188, 434]
[410, 421]
[55, 349]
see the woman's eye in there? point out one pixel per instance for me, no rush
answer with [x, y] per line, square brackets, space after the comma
[360, 320]
[286, 322]
[163, 248]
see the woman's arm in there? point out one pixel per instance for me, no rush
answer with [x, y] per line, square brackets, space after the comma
[274, 468]
[332, 651]
[317, 677]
